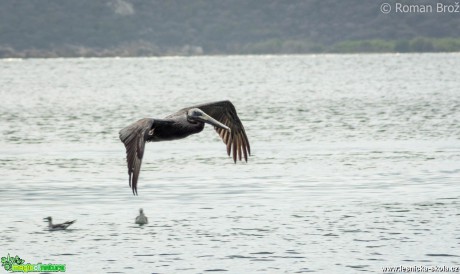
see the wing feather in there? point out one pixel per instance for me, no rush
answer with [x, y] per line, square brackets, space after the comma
[134, 138]
[236, 141]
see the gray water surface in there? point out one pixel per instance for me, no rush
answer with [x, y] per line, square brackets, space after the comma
[355, 164]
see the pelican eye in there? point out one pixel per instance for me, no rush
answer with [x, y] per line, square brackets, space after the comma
[192, 114]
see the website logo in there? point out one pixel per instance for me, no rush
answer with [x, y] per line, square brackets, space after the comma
[16, 264]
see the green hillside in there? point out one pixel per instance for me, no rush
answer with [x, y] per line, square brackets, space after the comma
[48, 28]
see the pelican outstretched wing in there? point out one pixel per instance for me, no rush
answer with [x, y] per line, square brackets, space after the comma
[237, 142]
[134, 137]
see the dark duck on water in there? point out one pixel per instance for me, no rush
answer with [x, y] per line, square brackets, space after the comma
[62, 226]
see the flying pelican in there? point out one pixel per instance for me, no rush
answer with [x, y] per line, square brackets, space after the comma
[222, 115]
[141, 219]
[62, 226]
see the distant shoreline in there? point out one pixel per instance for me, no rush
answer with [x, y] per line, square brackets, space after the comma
[225, 55]
[269, 47]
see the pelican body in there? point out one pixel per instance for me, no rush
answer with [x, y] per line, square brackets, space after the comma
[221, 115]
[62, 226]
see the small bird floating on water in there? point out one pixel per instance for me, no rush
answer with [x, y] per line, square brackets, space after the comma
[222, 115]
[141, 219]
[62, 226]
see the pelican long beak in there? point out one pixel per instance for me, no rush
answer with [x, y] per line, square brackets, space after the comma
[209, 120]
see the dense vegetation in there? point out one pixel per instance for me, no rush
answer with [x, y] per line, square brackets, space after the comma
[47, 28]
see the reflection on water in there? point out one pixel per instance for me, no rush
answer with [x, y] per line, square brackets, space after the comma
[355, 164]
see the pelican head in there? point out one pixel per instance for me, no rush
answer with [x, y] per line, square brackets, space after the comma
[48, 219]
[141, 211]
[197, 115]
